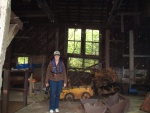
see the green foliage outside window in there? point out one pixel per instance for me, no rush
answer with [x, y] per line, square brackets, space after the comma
[81, 64]
[74, 41]
[75, 62]
[22, 60]
[92, 42]
[91, 45]
[90, 62]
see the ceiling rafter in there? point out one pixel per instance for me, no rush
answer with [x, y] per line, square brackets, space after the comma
[45, 7]
[115, 8]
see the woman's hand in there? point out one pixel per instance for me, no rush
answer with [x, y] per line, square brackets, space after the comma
[46, 84]
[65, 84]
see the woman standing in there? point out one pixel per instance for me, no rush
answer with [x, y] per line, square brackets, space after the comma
[56, 78]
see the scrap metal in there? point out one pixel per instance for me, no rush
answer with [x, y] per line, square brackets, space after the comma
[114, 104]
[105, 80]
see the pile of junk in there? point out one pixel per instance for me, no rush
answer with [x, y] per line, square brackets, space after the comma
[105, 81]
[83, 85]
[114, 104]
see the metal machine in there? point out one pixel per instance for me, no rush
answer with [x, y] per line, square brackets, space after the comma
[72, 93]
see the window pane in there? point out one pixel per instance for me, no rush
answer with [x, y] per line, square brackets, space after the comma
[88, 49]
[78, 34]
[95, 48]
[95, 36]
[74, 34]
[88, 35]
[26, 60]
[71, 34]
[92, 48]
[22, 60]
[90, 62]
[74, 41]
[74, 47]
[75, 63]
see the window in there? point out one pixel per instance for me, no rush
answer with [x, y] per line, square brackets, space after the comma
[81, 64]
[23, 63]
[74, 41]
[82, 43]
[22, 60]
[92, 42]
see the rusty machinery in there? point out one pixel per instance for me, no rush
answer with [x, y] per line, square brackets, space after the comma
[146, 103]
[105, 81]
[72, 93]
[114, 104]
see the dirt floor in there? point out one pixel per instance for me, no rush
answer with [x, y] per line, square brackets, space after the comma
[40, 104]
[14, 106]
[43, 107]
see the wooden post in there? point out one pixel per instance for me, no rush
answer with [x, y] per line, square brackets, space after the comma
[131, 57]
[5, 91]
[31, 84]
[25, 87]
[4, 29]
[42, 79]
[107, 61]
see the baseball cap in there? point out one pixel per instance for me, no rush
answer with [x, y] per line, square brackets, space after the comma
[56, 53]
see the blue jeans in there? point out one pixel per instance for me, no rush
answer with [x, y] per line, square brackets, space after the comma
[55, 90]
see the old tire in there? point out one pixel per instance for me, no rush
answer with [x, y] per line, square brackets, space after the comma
[69, 97]
[117, 89]
[85, 95]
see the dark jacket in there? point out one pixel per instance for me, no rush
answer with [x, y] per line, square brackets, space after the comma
[58, 77]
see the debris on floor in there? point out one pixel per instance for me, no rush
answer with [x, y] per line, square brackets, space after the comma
[114, 104]
[146, 103]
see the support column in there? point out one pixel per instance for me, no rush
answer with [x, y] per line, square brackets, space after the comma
[131, 57]
[5, 11]
[42, 77]
[5, 92]
[107, 46]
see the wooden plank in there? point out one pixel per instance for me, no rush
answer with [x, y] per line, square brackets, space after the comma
[5, 91]
[13, 29]
[16, 20]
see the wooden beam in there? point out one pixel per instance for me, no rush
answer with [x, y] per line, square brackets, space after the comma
[128, 13]
[113, 12]
[45, 7]
[31, 14]
[15, 20]
[4, 28]
[13, 29]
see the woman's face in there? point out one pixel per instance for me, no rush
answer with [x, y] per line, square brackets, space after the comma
[56, 57]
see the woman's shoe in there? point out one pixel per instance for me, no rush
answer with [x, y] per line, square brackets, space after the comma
[51, 111]
[57, 110]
